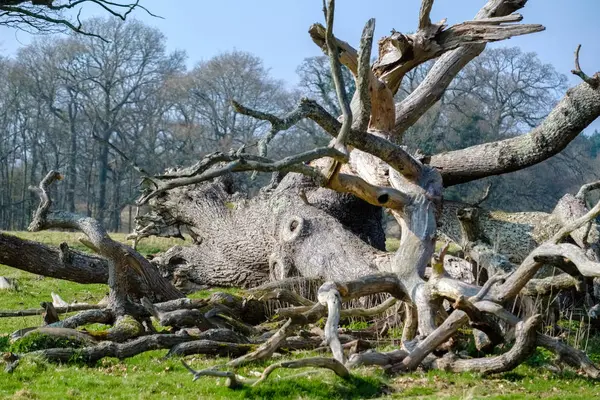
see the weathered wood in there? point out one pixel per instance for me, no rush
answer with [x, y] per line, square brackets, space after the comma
[209, 347]
[375, 358]
[579, 108]
[123, 258]
[61, 263]
[296, 240]
[73, 335]
[569, 355]
[183, 318]
[233, 381]
[240, 250]
[60, 310]
[363, 78]
[319, 362]
[524, 346]
[267, 349]
[49, 315]
[550, 286]
[445, 69]
[330, 296]
[92, 354]
[340, 89]
[100, 316]
[481, 322]
[432, 341]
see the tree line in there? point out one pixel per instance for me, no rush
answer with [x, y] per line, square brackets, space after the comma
[100, 110]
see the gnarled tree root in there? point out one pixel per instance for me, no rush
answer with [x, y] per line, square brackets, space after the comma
[569, 355]
[92, 354]
[524, 346]
[235, 381]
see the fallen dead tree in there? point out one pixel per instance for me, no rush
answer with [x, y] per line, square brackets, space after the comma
[301, 237]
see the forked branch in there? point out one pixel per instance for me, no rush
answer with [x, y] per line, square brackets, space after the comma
[130, 275]
[592, 81]
[237, 163]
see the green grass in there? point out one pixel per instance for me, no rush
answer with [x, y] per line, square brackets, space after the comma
[147, 246]
[149, 376]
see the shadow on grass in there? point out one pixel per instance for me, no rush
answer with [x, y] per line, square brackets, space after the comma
[315, 388]
[512, 376]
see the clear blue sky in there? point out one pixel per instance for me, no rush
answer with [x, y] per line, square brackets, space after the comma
[276, 30]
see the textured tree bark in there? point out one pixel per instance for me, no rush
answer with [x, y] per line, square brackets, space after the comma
[513, 235]
[279, 234]
[579, 108]
[61, 263]
[262, 255]
[293, 230]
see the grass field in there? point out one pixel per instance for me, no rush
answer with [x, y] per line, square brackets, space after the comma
[149, 376]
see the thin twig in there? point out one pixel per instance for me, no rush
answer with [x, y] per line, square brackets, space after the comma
[592, 81]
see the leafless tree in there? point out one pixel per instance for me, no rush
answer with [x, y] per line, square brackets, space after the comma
[226, 77]
[51, 16]
[117, 75]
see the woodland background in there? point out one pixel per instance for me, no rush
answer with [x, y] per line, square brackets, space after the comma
[93, 109]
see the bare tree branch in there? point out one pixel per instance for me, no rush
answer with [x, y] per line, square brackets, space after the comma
[577, 110]
[592, 81]
[123, 259]
[585, 189]
[338, 79]
[47, 15]
[320, 362]
[424, 19]
[524, 345]
[396, 156]
[363, 80]
[239, 163]
[448, 66]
